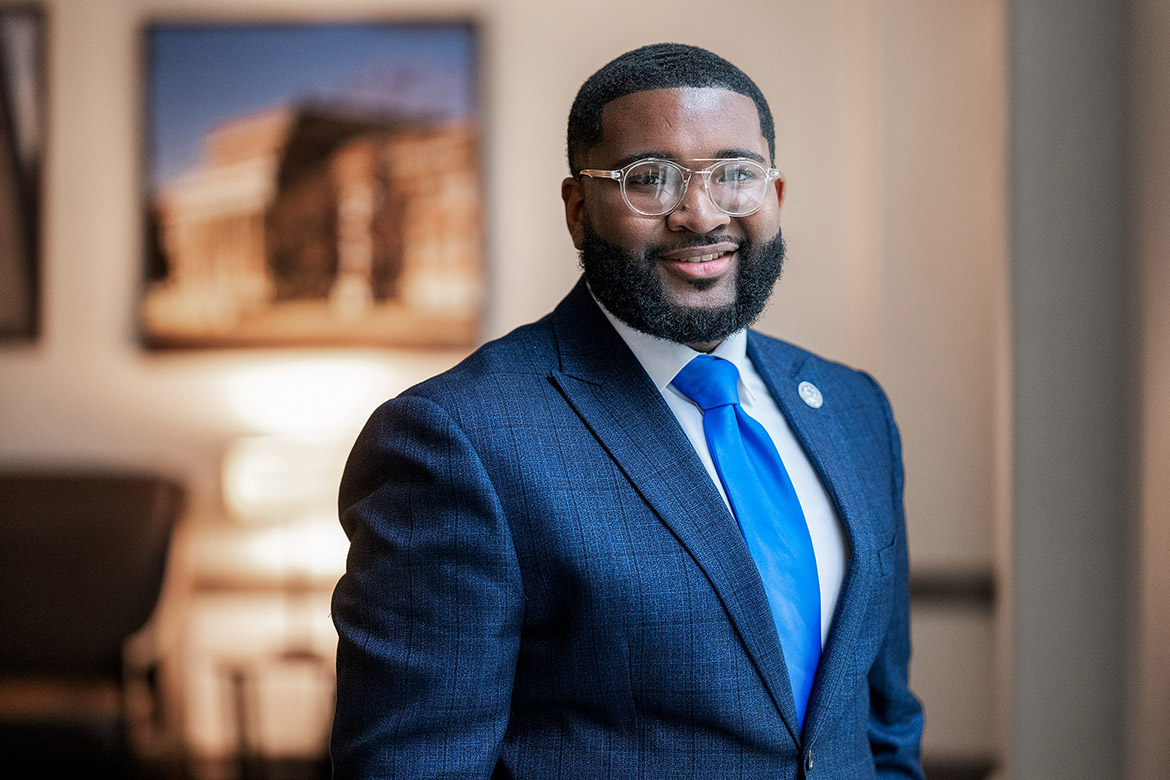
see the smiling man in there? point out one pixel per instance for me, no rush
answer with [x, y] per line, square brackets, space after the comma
[671, 262]
[635, 538]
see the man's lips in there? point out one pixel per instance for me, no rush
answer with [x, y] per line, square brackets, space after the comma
[702, 262]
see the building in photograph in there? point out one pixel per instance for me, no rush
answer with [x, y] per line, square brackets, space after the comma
[319, 225]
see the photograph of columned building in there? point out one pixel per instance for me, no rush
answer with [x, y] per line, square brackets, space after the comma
[308, 226]
[328, 219]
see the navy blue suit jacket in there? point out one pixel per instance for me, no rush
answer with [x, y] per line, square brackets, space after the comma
[543, 581]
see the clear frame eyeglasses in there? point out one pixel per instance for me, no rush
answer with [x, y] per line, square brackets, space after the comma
[654, 187]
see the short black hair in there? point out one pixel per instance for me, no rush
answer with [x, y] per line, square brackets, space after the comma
[657, 66]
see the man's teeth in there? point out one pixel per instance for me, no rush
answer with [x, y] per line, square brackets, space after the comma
[704, 258]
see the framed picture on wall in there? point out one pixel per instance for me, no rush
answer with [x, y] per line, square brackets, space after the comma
[312, 185]
[21, 139]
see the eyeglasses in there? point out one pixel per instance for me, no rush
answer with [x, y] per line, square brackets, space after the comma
[652, 187]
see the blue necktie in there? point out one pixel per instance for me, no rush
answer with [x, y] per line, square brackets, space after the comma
[769, 515]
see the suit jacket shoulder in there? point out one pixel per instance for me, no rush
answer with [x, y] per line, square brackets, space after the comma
[511, 374]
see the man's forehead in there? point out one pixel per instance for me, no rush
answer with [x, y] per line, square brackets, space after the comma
[680, 96]
[684, 115]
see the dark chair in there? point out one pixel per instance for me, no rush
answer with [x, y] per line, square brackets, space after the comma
[82, 559]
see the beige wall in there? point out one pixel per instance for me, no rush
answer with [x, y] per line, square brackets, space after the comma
[890, 121]
[937, 327]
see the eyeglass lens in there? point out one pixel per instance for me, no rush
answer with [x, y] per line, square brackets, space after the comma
[655, 187]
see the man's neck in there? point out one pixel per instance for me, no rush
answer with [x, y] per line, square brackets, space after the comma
[707, 347]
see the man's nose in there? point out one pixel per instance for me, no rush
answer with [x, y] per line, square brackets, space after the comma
[697, 212]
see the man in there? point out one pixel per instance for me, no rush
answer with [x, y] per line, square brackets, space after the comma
[633, 539]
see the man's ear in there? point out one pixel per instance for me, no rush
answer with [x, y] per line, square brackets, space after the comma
[574, 210]
[780, 190]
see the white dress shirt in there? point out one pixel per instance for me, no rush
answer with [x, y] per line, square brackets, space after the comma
[663, 359]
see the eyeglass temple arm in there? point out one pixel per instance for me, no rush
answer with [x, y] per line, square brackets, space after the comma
[595, 173]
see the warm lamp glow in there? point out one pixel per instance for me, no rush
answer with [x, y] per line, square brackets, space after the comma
[311, 548]
[282, 478]
[321, 396]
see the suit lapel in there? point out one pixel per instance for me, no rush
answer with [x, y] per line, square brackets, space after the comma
[820, 433]
[612, 394]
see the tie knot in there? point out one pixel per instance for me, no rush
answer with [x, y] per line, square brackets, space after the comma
[709, 382]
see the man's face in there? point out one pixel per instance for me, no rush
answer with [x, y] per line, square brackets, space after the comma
[696, 274]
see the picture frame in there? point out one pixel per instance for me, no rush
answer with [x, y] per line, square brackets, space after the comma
[22, 107]
[312, 184]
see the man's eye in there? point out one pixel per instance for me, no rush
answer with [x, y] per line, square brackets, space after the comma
[738, 174]
[649, 178]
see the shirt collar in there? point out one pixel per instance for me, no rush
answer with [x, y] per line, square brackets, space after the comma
[663, 359]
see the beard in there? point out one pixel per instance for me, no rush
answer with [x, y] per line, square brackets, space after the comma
[628, 285]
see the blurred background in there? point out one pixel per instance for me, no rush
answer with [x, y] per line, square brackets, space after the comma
[977, 213]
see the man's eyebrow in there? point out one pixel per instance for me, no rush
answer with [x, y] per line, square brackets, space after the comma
[730, 153]
[644, 155]
[723, 154]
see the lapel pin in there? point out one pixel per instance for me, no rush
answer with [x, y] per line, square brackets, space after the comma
[810, 394]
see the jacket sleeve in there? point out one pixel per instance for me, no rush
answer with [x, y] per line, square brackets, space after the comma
[429, 610]
[895, 715]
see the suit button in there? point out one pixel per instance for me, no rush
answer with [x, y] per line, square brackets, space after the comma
[808, 761]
